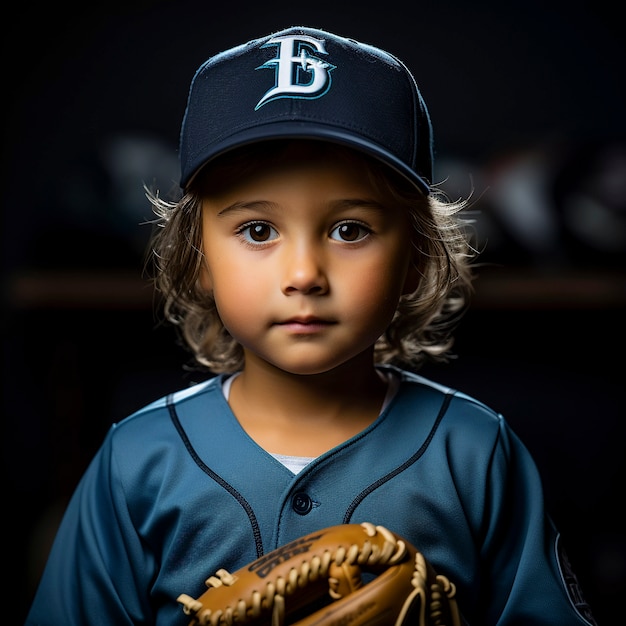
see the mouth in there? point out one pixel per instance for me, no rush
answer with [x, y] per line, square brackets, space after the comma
[304, 325]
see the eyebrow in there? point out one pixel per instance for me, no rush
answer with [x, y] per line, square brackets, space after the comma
[243, 206]
[338, 205]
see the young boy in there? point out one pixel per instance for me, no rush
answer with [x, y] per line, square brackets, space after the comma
[312, 265]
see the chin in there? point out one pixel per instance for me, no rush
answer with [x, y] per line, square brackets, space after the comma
[311, 368]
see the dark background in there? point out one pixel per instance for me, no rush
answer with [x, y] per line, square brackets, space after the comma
[528, 105]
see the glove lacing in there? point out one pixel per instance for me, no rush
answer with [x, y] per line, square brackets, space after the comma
[275, 592]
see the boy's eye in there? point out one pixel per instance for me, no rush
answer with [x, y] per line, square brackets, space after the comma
[257, 232]
[349, 231]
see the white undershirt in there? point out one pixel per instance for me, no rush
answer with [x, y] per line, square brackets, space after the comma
[298, 463]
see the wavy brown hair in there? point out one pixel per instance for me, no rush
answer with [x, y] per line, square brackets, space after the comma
[424, 321]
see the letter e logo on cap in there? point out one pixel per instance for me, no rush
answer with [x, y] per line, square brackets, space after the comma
[298, 74]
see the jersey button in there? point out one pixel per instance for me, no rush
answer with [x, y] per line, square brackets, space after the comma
[301, 503]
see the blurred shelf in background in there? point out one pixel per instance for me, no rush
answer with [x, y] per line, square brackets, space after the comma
[495, 288]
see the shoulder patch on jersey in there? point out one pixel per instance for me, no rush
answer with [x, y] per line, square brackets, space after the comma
[571, 584]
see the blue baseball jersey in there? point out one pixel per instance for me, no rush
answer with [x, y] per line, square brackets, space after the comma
[178, 490]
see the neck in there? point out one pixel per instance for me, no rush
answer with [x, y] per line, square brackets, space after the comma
[355, 383]
[306, 414]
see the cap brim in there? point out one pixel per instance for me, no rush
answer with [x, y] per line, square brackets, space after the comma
[304, 130]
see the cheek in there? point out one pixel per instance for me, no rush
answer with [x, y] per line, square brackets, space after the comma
[237, 291]
[378, 289]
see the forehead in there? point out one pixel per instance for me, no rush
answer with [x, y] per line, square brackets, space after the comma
[297, 176]
[249, 161]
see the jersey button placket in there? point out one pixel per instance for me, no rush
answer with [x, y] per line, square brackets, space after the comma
[301, 503]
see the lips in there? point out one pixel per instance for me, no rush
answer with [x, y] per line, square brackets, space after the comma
[305, 320]
[305, 324]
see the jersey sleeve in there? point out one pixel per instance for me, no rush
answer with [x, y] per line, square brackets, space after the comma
[530, 579]
[97, 570]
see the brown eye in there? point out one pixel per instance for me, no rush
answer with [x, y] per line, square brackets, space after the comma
[257, 232]
[349, 231]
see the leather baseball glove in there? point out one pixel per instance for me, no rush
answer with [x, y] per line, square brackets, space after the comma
[318, 580]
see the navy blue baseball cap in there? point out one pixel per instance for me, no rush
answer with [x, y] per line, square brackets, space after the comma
[306, 83]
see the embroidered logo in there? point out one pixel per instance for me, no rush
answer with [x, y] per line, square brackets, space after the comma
[570, 581]
[299, 73]
[264, 566]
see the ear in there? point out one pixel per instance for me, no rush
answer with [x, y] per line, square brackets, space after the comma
[205, 278]
[412, 280]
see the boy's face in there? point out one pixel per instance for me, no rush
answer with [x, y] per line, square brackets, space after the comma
[306, 262]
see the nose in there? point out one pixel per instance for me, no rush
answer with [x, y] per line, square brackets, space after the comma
[304, 270]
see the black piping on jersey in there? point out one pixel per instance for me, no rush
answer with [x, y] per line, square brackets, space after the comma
[442, 411]
[207, 470]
